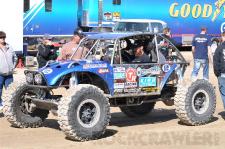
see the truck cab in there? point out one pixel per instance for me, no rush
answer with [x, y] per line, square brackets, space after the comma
[139, 25]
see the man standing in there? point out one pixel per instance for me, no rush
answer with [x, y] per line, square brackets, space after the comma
[200, 48]
[8, 61]
[69, 48]
[219, 67]
[46, 51]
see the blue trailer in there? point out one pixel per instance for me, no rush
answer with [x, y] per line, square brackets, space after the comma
[61, 18]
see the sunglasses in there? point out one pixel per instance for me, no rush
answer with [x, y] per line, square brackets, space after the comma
[2, 37]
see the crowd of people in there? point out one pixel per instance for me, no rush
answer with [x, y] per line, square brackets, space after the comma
[201, 50]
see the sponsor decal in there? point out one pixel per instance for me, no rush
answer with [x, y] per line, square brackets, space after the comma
[107, 16]
[103, 70]
[47, 71]
[118, 90]
[119, 80]
[150, 89]
[118, 85]
[130, 84]
[119, 69]
[119, 75]
[89, 66]
[150, 71]
[131, 75]
[131, 90]
[116, 15]
[147, 81]
[166, 68]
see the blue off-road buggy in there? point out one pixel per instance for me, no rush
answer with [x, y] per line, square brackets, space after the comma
[108, 76]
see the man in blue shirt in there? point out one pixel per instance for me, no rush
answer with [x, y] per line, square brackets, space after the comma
[200, 47]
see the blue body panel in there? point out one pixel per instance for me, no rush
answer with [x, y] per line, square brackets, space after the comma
[60, 69]
[167, 75]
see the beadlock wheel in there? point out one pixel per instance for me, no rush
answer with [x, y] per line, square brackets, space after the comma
[88, 113]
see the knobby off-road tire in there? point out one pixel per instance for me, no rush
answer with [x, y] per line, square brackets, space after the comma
[195, 105]
[84, 113]
[138, 111]
[14, 109]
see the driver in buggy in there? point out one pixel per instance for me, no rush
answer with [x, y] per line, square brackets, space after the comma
[140, 55]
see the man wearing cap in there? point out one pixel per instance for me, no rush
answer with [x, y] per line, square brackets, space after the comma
[140, 56]
[69, 48]
[8, 61]
[200, 47]
[46, 51]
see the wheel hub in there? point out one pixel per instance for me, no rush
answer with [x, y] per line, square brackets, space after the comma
[200, 101]
[88, 113]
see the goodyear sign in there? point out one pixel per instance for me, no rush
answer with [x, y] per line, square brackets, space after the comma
[197, 10]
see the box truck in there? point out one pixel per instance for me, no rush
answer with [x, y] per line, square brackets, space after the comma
[61, 18]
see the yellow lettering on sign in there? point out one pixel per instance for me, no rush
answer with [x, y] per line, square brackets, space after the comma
[172, 12]
[207, 11]
[215, 15]
[185, 10]
[218, 4]
[224, 12]
[196, 11]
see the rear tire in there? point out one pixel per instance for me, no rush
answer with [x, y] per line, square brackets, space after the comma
[138, 111]
[84, 113]
[195, 105]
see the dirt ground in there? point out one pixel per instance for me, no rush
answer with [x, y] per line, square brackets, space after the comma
[161, 129]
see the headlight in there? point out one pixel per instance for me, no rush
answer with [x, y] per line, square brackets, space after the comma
[29, 77]
[38, 78]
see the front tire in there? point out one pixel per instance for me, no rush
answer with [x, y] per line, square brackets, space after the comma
[195, 105]
[14, 108]
[84, 113]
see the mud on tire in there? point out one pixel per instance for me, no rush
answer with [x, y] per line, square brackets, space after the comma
[14, 109]
[195, 105]
[84, 113]
[137, 111]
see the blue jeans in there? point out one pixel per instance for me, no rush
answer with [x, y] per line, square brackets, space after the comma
[4, 81]
[221, 82]
[197, 64]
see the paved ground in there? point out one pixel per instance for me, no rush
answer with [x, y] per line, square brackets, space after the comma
[161, 129]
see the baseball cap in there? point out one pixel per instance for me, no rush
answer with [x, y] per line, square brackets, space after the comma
[137, 44]
[2, 34]
[78, 32]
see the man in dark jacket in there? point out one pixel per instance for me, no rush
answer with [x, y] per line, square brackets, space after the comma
[219, 67]
[46, 51]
